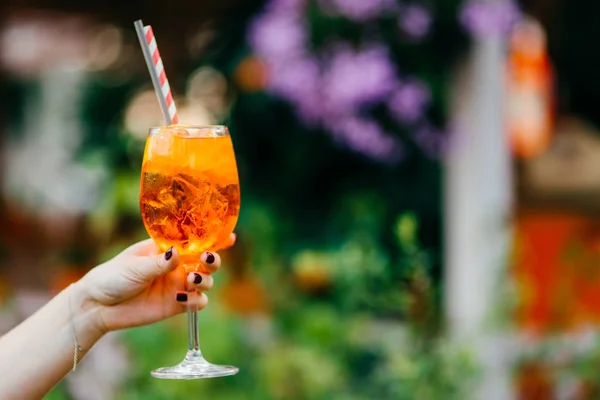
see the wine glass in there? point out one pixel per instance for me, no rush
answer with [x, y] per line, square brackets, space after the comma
[190, 199]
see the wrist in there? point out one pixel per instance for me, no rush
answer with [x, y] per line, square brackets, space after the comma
[86, 315]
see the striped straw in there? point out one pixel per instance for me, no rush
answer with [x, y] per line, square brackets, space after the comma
[157, 72]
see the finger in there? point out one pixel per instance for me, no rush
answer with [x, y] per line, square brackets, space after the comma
[184, 299]
[143, 248]
[211, 261]
[180, 303]
[199, 281]
[151, 267]
[230, 241]
[201, 301]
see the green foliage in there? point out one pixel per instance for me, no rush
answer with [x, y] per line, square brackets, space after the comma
[438, 372]
[355, 340]
[60, 392]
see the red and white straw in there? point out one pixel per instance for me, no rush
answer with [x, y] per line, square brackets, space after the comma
[157, 72]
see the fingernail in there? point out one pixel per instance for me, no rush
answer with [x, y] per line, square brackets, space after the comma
[181, 297]
[197, 278]
[169, 253]
[210, 258]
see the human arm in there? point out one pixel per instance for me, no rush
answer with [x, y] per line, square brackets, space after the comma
[137, 287]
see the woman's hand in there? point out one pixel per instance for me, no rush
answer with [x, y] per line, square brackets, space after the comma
[137, 287]
[141, 286]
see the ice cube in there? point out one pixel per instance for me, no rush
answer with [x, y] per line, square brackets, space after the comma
[161, 144]
[166, 198]
[232, 194]
[188, 192]
[191, 225]
[178, 130]
[218, 204]
[172, 232]
[190, 178]
[153, 181]
[153, 211]
[160, 220]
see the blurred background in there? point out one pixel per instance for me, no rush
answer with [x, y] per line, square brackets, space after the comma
[419, 190]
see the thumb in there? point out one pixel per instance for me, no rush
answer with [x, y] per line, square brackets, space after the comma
[152, 267]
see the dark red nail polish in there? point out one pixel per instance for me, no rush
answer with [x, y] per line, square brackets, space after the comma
[181, 297]
[197, 278]
[169, 253]
[210, 258]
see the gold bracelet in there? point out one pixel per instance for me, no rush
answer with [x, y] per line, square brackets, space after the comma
[76, 347]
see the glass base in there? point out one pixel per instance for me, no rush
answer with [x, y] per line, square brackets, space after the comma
[194, 366]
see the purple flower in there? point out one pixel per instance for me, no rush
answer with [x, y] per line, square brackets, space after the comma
[357, 78]
[285, 6]
[485, 18]
[415, 21]
[357, 10]
[366, 136]
[409, 101]
[431, 140]
[331, 89]
[298, 81]
[278, 38]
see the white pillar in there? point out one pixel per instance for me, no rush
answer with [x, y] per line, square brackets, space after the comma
[478, 202]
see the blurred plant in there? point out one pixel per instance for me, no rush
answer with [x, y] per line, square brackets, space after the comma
[355, 324]
[340, 63]
[298, 371]
[560, 366]
[441, 371]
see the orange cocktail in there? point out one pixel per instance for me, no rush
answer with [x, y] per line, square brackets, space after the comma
[190, 194]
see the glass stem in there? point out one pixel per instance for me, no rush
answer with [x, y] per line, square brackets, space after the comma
[192, 312]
